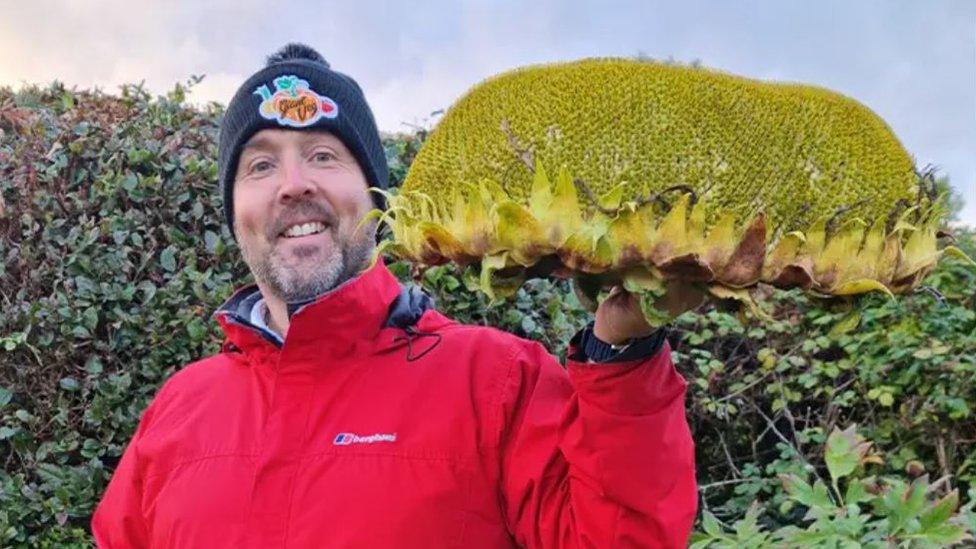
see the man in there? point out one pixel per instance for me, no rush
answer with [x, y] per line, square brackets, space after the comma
[344, 411]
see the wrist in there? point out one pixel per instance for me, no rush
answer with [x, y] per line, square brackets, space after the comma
[590, 348]
[617, 339]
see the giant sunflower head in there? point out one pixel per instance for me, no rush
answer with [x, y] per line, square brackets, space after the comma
[640, 172]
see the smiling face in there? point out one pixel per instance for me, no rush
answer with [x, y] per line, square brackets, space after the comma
[298, 199]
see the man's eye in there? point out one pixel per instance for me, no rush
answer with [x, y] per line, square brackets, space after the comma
[323, 156]
[260, 166]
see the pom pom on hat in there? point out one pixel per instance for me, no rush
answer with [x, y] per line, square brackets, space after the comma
[296, 51]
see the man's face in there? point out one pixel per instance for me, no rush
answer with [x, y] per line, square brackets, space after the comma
[298, 199]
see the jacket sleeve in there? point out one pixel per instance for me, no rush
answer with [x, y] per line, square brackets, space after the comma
[601, 458]
[118, 522]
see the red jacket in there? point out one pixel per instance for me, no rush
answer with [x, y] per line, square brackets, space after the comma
[336, 439]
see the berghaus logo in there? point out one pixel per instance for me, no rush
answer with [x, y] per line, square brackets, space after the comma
[345, 439]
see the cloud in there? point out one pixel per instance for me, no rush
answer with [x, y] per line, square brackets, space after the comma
[110, 42]
[913, 63]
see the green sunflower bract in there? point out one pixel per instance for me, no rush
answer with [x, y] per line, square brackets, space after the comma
[639, 172]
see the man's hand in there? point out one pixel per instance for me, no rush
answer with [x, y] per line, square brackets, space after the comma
[619, 317]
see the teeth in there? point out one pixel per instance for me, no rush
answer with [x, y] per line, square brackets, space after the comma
[304, 229]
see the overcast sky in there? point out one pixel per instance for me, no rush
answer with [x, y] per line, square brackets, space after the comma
[912, 62]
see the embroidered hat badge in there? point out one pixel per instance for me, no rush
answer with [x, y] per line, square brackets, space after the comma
[293, 103]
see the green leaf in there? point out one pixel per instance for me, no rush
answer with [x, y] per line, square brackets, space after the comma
[915, 502]
[611, 199]
[857, 491]
[69, 384]
[922, 354]
[211, 240]
[846, 324]
[748, 527]
[90, 317]
[814, 497]
[168, 259]
[492, 286]
[710, 524]
[939, 513]
[5, 396]
[130, 182]
[148, 290]
[944, 535]
[84, 284]
[839, 455]
[451, 283]
[845, 451]
[197, 330]
[94, 365]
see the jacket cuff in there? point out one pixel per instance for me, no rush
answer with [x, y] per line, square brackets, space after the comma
[586, 347]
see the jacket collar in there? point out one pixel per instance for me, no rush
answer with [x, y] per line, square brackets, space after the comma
[333, 323]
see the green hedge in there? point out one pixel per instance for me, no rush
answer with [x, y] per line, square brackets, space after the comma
[113, 255]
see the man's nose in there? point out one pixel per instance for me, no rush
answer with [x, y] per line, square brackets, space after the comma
[296, 184]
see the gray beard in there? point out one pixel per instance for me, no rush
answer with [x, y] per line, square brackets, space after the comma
[299, 284]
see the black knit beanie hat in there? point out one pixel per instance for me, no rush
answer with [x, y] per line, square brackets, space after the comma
[298, 90]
